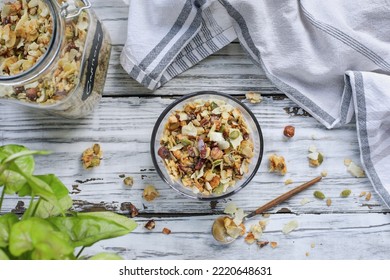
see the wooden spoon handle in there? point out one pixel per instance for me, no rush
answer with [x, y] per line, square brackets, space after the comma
[283, 197]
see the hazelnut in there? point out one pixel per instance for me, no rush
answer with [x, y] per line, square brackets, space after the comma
[166, 231]
[289, 131]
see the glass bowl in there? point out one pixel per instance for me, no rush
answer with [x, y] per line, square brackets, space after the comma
[254, 132]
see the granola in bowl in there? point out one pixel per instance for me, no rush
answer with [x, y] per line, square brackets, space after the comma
[207, 145]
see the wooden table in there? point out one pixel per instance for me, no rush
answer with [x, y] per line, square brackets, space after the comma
[351, 228]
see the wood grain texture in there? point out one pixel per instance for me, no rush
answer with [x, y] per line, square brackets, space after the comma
[336, 236]
[123, 127]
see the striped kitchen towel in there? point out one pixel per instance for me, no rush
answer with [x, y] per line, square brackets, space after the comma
[331, 57]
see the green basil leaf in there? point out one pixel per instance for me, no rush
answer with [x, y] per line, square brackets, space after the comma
[85, 229]
[3, 256]
[46, 208]
[10, 177]
[6, 223]
[40, 240]
[106, 256]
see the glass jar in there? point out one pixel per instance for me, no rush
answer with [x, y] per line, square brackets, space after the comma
[68, 78]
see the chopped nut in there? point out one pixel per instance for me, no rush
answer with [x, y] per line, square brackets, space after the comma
[307, 254]
[368, 196]
[128, 181]
[273, 244]
[328, 202]
[324, 173]
[315, 159]
[253, 97]
[151, 224]
[312, 245]
[266, 215]
[166, 231]
[150, 193]
[277, 164]
[91, 157]
[288, 182]
[216, 153]
[133, 210]
[289, 131]
[345, 193]
[362, 194]
[262, 243]
[250, 238]
[319, 195]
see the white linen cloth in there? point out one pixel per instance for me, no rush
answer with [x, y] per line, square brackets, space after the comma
[330, 57]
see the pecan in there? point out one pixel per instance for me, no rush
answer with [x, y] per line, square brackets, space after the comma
[202, 148]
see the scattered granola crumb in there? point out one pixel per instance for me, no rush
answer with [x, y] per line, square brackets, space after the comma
[307, 254]
[277, 164]
[263, 224]
[151, 224]
[347, 161]
[368, 196]
[128, 181]
[290, 226]
[305, 201]
[250, 238]
[362, 194]
[289, 131]
[356, 170]
[150, 193]
[274, 244]
[166, 231]
[328, 202]
[266, 215]
[122, 176]
[324, 173]
[91, 157]
[262, 243]
[315, 157]
[288, 182]
[253, 97]
[312, 245]
[133, 210]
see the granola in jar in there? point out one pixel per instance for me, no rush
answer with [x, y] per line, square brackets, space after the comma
[71, 53]
[207, 146]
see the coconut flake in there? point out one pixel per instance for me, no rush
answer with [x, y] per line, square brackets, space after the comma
[356, 170]
[290, 226]
[230, 208]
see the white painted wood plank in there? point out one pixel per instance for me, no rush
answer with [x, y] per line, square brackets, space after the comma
[337, 236]
[123, 127]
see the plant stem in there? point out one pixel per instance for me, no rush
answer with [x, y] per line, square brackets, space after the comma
[79, 253]
[36, 206]
[27, 213]
[2, 197]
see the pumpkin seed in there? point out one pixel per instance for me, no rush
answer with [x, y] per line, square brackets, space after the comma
[319, 195]
[345, 193]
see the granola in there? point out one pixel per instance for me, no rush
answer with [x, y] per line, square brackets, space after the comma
[207, 146]
[25, 32]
